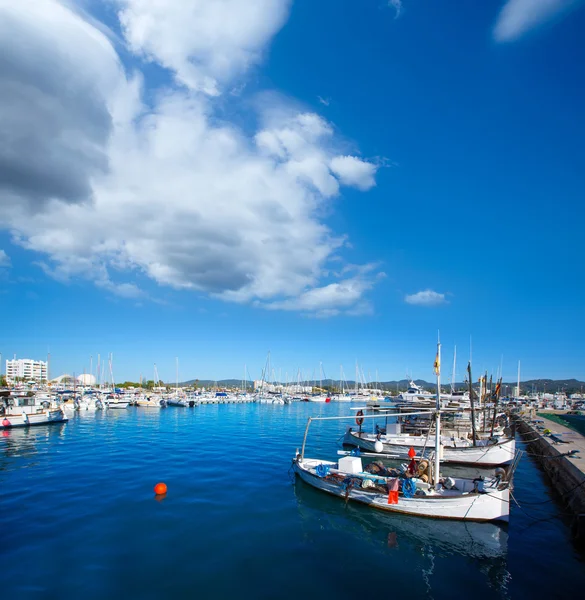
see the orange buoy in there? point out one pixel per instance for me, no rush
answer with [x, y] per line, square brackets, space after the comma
[160, 488]
[411, 452]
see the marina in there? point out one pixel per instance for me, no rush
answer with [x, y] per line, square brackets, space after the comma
[244, 511]
[268, 212]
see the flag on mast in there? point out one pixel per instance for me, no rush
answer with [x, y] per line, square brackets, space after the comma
[437, 365]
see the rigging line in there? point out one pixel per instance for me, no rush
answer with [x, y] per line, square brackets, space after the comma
[571, 453]
[556, 515]
[553, 499]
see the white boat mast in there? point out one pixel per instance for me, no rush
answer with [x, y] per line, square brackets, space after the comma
[438, 417]
[518, 388]
[453, 374]
[112, 372]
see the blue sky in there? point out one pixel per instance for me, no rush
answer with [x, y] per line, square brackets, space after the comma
[331, 181]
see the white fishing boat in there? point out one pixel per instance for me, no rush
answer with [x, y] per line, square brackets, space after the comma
[421, 494]
[25, 411]
[453, 450]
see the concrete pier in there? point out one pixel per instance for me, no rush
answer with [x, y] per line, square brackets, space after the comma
[566, 473]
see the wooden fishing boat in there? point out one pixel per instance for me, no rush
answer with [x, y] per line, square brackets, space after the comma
[485, 453]
[451, 498]
[414, 493]
[29, 411]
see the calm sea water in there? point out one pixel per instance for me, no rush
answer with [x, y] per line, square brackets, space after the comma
[79, 518]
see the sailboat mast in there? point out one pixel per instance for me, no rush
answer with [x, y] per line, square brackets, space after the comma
[518, 388]
[472, 400]
[453, 374]
[438, 417]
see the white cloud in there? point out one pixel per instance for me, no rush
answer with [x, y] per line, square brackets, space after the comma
[345, 296]
[52, 133]
[426, 298]
[170, 191]
[4, 260]
[397, 5]
[354, 171]
[206, 43]
[324, 101]
[520, 16]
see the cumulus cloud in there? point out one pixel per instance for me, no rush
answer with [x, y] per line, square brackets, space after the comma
[57, 72]
[4, 260]
[354, 171]
[341, 297]
[520, 16]
[166, 188]
[205, 43]
[426, 298]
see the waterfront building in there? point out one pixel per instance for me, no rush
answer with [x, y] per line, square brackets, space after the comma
[26, 369]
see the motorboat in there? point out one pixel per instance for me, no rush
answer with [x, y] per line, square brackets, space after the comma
[25, 411]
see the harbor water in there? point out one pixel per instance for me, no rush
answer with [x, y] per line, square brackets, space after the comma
[80, 519]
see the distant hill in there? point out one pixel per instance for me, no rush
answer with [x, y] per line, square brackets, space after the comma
[569, 386]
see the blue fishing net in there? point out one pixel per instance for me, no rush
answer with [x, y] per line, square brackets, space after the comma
[408, 488]
[322, 470]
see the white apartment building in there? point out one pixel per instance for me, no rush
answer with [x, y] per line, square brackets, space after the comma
[25, 369]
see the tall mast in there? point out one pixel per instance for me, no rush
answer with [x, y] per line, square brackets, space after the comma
[471, 399]
[453, 374]
[518, 388]
[437, 367]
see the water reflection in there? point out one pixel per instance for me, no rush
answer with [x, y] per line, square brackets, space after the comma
[23, 442]
[484, 544]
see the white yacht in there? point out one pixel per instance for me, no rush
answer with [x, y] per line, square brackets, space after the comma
[415, 393]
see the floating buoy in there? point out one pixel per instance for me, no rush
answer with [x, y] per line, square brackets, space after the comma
[6, 422]
[160, 488]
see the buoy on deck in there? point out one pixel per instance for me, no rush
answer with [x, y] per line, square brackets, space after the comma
[160, 489]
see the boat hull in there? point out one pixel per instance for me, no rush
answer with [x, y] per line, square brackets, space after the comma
[44, 417]
[491, 506]
[491, 455]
